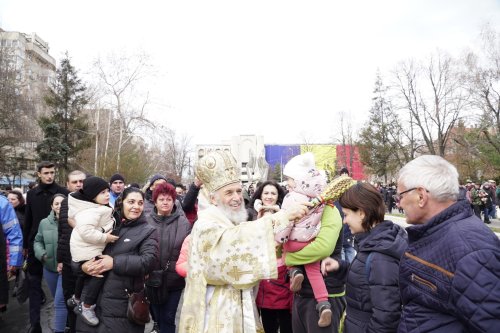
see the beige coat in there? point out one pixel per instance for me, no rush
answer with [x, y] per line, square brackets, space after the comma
[93, 221]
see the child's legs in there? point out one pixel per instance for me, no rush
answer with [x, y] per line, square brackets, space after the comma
[92, 288]
[294, 246]
[60, 307]
[51, 279]
[316, 280]
[80, 278]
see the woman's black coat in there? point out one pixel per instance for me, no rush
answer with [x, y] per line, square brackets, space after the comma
[135, 254]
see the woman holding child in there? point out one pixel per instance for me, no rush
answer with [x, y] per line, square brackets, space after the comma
[127, 261]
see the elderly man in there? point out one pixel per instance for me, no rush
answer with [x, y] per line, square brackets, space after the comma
[228, 256]
[450, 274]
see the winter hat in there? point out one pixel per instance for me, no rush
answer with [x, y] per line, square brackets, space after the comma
[116, 177]
[92, 186]
[299, 166]
[155, 178]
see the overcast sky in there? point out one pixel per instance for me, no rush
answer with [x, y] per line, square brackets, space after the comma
[281, 69]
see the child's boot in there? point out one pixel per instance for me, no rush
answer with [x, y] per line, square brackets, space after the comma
[325, 313]
[296, 279]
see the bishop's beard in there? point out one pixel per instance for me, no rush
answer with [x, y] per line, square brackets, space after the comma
[234, 216]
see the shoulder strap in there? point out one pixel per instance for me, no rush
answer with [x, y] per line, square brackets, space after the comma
[367, 266]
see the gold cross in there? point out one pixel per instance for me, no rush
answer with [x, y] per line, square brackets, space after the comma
[236, 274]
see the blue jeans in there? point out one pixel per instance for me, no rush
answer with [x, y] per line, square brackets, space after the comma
[164, 314]
[54, 281]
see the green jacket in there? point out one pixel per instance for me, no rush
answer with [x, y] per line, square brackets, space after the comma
[46, 242]
[322, 246]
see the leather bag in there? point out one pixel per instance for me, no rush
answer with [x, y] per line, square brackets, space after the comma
[138, 308]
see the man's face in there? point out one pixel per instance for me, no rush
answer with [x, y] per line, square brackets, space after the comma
[75, 182]
[117, 186]
[179, 190]
[409, 200]
[47, 175]
[230, 200]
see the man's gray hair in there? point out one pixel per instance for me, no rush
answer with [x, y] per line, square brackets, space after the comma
[434, 173]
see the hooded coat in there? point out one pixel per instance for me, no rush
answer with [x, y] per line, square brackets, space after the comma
[372, 288]
[93, 221]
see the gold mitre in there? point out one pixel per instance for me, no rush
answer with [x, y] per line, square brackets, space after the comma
[217, 169]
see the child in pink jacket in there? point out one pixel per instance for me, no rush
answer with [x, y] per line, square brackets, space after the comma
[305, 183]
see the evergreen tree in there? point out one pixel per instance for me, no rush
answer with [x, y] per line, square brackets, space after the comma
[67, 97]
[378, 138]
[52, 148]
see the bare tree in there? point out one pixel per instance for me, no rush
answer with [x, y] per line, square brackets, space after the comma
[176, 153]
[434, 97]
[120, 77]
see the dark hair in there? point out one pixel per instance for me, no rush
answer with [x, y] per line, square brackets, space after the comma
[119, 201]
[164, 188]
[258, 192]
[55, 196]
[19, 196]
[44, 164]
[365, 197]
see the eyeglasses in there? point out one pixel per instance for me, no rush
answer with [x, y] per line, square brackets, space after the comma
[399, 196]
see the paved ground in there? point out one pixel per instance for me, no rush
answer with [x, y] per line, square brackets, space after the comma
[401, 220]
[16, 319]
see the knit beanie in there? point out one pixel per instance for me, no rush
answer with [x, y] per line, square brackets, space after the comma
[299, 166]
[155, 178]
[116, 177]
[92, 186]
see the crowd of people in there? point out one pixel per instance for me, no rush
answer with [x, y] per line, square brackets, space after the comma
[273, 262]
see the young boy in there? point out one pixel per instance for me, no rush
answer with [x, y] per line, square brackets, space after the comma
[90, 209]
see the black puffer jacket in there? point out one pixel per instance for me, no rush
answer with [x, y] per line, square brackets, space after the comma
[64, 234]
[373, 301]
[135, 254]
[172, 230]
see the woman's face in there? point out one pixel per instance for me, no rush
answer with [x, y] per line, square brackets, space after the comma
[164, 204]
[133, 205]
[14, 201]
[269, 195]
[353, 219]
[56, 205]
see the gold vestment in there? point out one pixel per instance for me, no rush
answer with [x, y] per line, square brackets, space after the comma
[232, 259]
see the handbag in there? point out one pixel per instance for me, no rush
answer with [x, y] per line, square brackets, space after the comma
[138, 308]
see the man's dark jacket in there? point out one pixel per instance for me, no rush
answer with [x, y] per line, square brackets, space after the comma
[450, 275]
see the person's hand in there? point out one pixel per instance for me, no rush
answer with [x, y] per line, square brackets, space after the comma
[329, 265]
[59, 267]
[95, 267]
[197, 182]
[11, 271]
[111, 238]
[297, 211]
[44, 258]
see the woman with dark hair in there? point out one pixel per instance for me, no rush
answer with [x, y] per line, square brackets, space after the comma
[274, 298]
[372, 289]
[266, 199]
[16, 199]
[45, 248]
[127, 261]
[164, 286]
